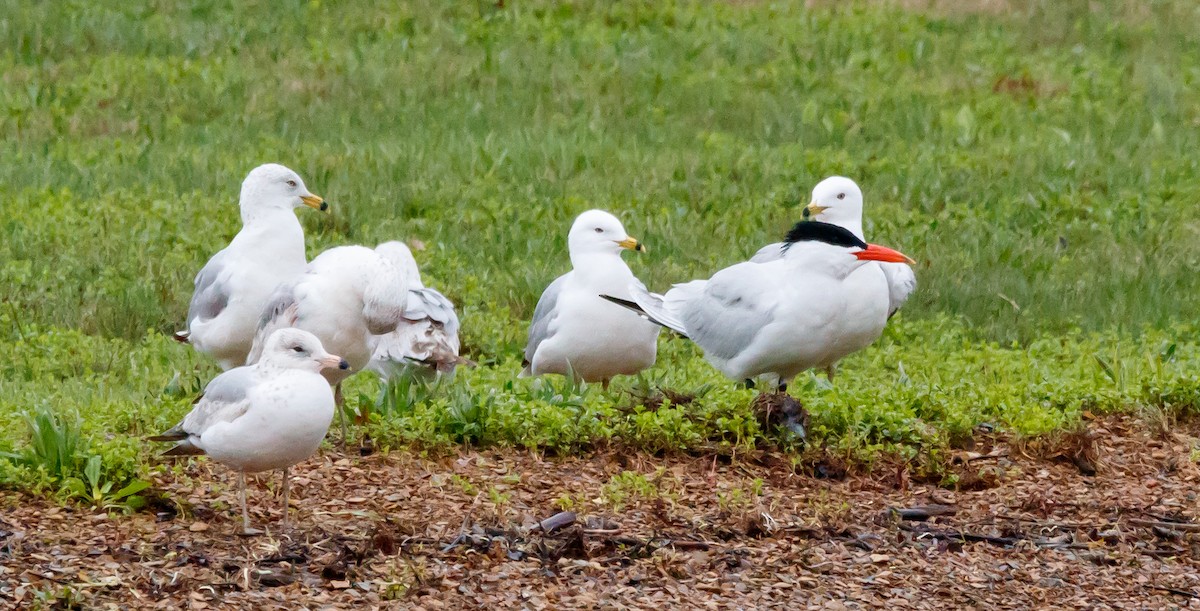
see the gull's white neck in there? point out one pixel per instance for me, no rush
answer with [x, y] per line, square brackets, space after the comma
[599, 267]
[856, 228]
[271, 230]
[846, 220]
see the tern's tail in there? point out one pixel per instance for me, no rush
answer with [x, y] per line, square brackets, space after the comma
[650, 306]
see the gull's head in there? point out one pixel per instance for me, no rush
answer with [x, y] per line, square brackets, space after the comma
[597, 231]
[833, 249]
[398, 254]
[272, 186]
[293, 348]
[839, 201]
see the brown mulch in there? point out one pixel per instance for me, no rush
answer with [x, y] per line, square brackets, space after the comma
[1025, 528]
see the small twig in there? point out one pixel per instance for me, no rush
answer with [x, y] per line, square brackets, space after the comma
[686, 544]
[958, 535]
[601, 532]
[1073, 525]
[1180, 526]
[921, 513]
[462, 531]
[1173, 591]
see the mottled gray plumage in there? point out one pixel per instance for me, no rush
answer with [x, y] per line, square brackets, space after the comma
[431, 304]
[224, 399]
[279, 313]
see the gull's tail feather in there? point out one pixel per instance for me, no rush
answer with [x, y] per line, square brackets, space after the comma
[167, 436]
[183, 337]
[183, 448]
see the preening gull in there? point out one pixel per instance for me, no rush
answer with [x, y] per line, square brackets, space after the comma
[781, 317]
[839, 201]
[262, 417]
[346, 297]
[235, 284]
[426, 341]
[573, 329]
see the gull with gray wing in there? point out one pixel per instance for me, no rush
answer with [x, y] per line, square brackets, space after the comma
[232, 288]
[574, 332]
[262, 417]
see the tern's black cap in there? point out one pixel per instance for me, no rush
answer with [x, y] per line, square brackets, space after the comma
[817, 231]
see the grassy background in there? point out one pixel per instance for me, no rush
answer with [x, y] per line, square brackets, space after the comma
[1039, 161]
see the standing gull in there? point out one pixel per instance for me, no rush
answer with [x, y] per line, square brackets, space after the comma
[781, 317]
[235, 284]
[426, 340]
[262, 417]
[573, 329]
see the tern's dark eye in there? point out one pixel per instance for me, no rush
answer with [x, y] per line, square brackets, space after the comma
[292, 184]
[599, 230]
[841, 196]
[297, 349]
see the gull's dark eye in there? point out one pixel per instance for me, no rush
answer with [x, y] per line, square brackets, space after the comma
[292, 184]
[841, 196]
[599, 230]
[297, 349]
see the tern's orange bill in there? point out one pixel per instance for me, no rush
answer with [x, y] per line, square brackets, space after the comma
[875, 252]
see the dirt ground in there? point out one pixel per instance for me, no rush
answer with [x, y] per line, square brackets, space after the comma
[1024, 528]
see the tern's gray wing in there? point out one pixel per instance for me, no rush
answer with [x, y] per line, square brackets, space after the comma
[768, 253]
[543, 315]
[224, 399]
[734, 305]
[211, 293]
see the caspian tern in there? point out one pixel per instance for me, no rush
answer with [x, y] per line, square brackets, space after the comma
[232, 288]
[573, 329]
[839, 201]
[780, 317]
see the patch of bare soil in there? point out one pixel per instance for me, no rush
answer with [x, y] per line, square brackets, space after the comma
[1025, 528]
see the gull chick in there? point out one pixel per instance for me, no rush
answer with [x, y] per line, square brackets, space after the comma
[573, 329]
[426, 340]
[262, 417]
[235, 284]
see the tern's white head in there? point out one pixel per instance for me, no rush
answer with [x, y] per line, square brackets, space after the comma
[598, 232]
[837, 200]
[293, 348]
[273, 187]
[402, 258]
[833, 250]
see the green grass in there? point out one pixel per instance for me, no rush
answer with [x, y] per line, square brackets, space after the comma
[1040, 164]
